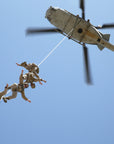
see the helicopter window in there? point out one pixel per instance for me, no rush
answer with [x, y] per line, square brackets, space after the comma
[80, 30]
[98, 39]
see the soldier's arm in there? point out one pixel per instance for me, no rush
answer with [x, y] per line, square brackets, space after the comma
[43, 80]
[39, 79]
[18, 64]
[22, 64]
[24, 97]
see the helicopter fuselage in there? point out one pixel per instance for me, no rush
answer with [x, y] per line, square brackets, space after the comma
[77, 29]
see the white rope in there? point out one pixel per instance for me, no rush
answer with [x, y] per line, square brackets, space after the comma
[54, 48]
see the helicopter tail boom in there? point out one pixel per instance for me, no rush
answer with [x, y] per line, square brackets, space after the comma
[104, 42]
[105, 37]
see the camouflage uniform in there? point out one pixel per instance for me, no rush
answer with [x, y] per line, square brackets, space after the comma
[17, 88]
[30, 78]
[31, 67]
[4, 92]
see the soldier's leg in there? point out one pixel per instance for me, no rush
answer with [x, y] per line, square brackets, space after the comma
[4, 92]
[14, 95]
[0, 97]
[1, 94]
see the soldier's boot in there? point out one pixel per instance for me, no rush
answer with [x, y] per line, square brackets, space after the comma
[4, 99]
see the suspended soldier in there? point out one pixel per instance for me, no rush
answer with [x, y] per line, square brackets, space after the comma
[30, 78]
[31, 67]
[18, 88]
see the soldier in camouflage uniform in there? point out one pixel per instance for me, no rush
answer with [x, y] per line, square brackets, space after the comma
[18, 88]
[30, 78]
[31, 67]
[4, 92]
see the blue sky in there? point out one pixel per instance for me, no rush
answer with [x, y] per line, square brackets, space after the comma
[65, 109]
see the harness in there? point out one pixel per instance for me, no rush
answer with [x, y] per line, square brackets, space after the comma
[20, 87]
[30, 78]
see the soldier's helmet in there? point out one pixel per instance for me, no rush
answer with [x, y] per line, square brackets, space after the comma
[26, 85]
[37, 70]
[24, 64]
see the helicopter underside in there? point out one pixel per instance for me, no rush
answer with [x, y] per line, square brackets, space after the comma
[76, 28]
[81, 30]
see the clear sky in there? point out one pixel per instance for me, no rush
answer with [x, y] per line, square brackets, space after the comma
[65, 110]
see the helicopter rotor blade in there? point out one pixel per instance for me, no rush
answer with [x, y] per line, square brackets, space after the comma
[82, 6]
[104, 26]
[42, 30]
[87, 66]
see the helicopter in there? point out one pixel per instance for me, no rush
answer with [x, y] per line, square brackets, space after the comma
[77, 29]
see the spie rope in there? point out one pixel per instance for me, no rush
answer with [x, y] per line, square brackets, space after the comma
[54, 48]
